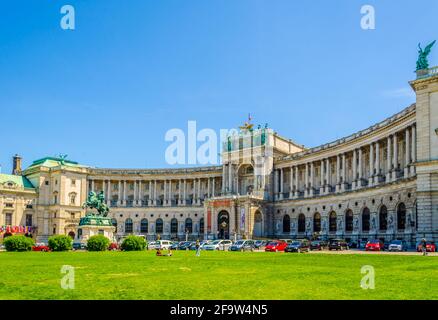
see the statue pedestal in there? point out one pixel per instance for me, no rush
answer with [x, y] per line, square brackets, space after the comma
[92, 225]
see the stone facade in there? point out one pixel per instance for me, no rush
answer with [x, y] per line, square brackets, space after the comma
[381, 182]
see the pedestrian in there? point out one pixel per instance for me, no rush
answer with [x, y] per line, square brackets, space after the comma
[424, 247]
[198, 248]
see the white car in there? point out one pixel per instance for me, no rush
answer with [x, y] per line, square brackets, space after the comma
[218, 245]
[160, 244]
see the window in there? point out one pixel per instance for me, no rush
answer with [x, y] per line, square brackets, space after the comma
[349, 221]
[8, 219]
[72, 215]
[201, 225]
[383, 219]
[55, 198]
[73, 182]
[114, 223]
[301, 223]
[144, 226]
[46, 182]
[317, 222]
[29, 206]
[366, 219]
[159, 226]
[9, 205]
[128, 225]
[173, 226]
[286, 224]
[28, 220]
[401, 216]
[332, 222]
[189, 225]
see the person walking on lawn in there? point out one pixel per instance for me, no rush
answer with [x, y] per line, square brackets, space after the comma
[198, 248]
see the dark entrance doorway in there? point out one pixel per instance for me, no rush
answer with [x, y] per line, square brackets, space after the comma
[223, 225]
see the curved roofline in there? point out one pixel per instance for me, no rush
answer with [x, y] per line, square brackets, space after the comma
[406, 111]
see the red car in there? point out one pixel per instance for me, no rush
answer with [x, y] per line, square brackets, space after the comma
[277, 245]
[41, 247]
[430, 247]
[374, 245]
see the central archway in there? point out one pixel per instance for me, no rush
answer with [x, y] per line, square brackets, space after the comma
[223, 225]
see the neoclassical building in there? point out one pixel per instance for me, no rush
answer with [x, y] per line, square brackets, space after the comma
[381, 182]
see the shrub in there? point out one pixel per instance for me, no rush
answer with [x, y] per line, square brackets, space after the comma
[133, 243]
[98, 243]
[60, 243]
[18, 243]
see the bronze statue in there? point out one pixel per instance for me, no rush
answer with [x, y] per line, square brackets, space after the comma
[97, 202]
[422, 62]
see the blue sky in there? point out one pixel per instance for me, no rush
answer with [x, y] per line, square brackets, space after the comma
[107, 92]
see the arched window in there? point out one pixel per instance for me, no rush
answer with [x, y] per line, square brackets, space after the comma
[55, 197]
[201, 226]
[128, 225]
[144, 226]
[332, 221]
[189, 225]
[401, 216]
[114, 223]
[174, 226]
[301, 223]
[366, 219]
[383, 218]
[286, 223]
[316, 222]
[159, 226]
[349, 221]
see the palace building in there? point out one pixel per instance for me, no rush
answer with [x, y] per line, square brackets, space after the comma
[380, 182]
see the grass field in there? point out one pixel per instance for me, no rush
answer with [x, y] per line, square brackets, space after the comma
[215, 275]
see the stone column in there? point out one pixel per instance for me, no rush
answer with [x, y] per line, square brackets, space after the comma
[92, 185]
[224, 175]
[312, 177]
[321, 173]
[327, 176]
[306, 181]
[354, 184]
[170, 193]
[371, 171]
[296, 183]
[360, 169]
[155, 192]
[199, 191]
[395, 158]
[124, 192]
[338, 173]
[388, 160]
[108, 198]
[212, 188]
[151, 199]
[291, 186]
[119, 201]
[135, 194]
[281, 184]
[276, 182]
[407, 153]
[185, 192]
[377, 175]
[413, 150]
[344, 179]
[140, 193]
[230, 177]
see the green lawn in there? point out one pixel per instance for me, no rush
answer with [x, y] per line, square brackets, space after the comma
[215, 275]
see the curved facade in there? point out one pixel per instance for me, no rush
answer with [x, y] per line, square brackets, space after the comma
[381, 182]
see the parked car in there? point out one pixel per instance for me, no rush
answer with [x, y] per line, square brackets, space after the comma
[79, 246]
[242, 245]
[386, 245]
[41, 247]
[338, 244]
[160, 244]
[374, 245]
[398, 245]
[275, 246]
[286, 240]
[175, 244]
[352, 244]
[430, 246]
[185, 245]
[218, 245]
[113, 246]
[260, 244]
[318, 245]
[298, 246]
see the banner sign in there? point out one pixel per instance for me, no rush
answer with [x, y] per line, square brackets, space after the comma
[15, 229]
[208, 220]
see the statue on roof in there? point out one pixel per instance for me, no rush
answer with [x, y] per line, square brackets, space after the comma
[422, 62]
[62, 158]
[247, 126]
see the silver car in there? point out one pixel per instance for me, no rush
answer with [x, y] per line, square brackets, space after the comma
[218, 245]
